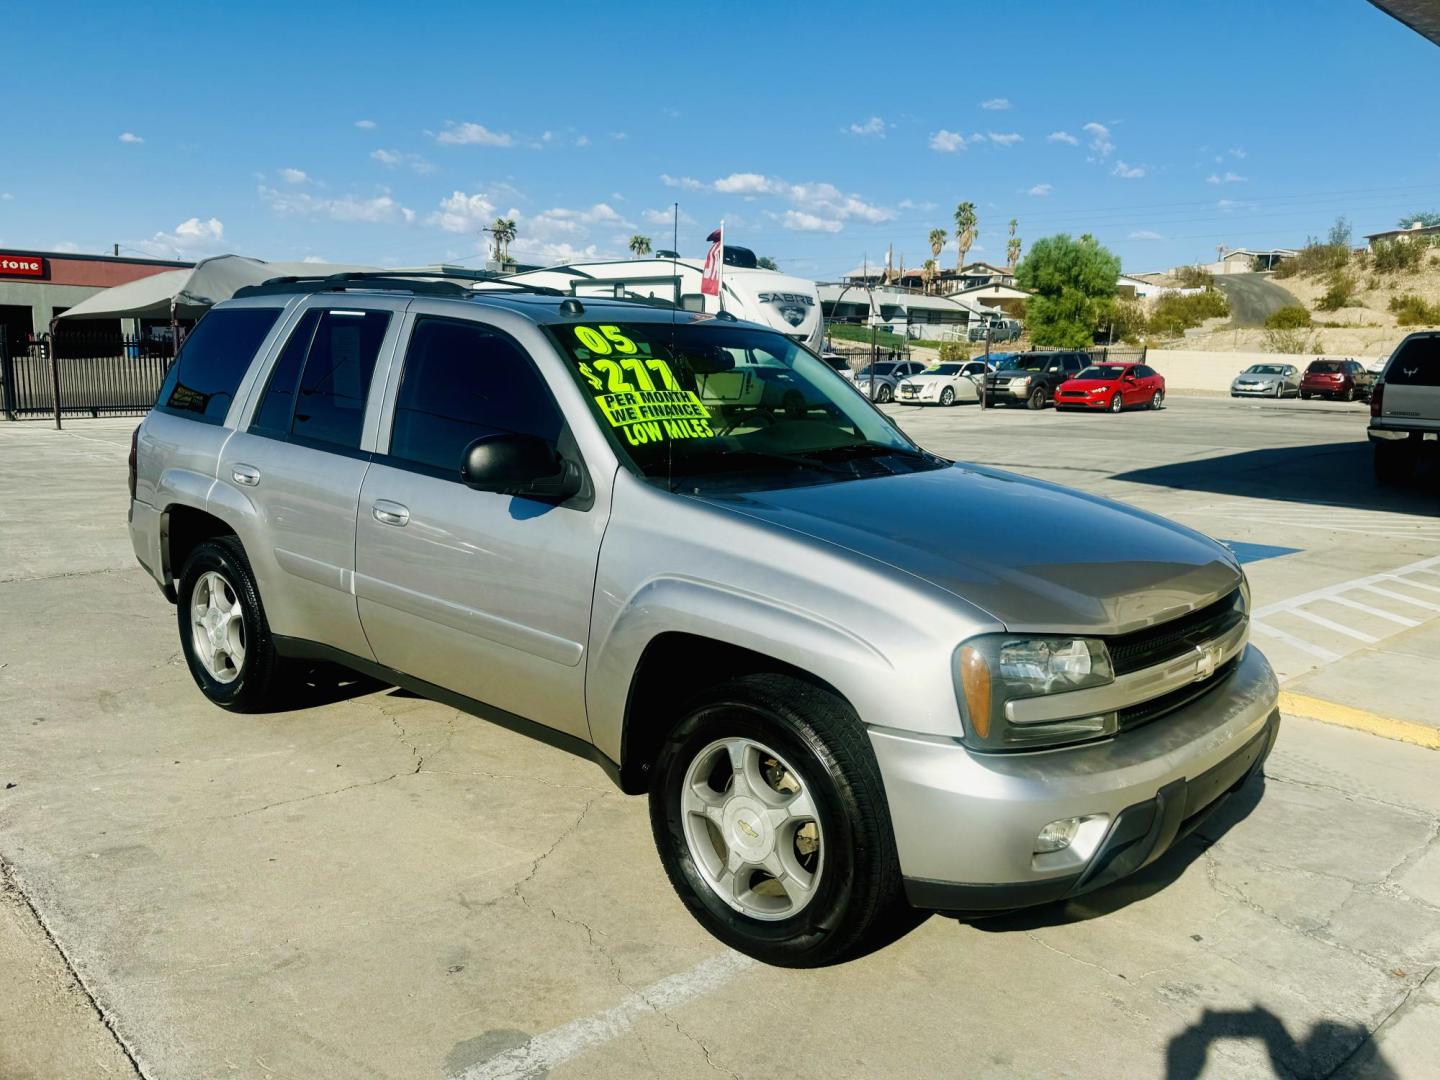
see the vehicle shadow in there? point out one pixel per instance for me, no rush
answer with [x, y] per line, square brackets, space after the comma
[1332, 1048]
[1140, 885]
[1331, 474]
[321, 683]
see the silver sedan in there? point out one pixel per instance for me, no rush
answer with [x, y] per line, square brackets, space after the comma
[1267, 380]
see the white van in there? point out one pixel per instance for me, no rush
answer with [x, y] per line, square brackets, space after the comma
[785, 303]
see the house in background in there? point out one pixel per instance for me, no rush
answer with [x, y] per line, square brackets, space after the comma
[1246, 260]
[948, 282]
[1417, 230]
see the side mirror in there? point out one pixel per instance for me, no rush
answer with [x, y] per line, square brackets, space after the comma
[525, 465]
[1129, 376]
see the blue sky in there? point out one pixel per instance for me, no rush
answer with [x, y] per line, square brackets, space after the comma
[389, 133]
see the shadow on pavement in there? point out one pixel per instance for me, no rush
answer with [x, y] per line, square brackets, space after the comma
[1334, 474]
[324, 684]
[1140, 885]
[1332, 1045]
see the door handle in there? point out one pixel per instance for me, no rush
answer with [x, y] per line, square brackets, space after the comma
[246, 475]
[390, 513]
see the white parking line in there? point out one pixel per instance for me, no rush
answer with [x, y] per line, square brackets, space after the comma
[1387, 615]
[1401, 597]
[1331, 624]
[558, 1045]
[1298, 643]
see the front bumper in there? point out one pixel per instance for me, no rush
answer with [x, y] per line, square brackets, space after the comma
[1008, 390]
[965, 823]
[1264, 390]
[1088, 401]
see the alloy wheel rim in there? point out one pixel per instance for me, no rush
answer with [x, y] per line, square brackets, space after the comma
[217, 627]
[1115, 403]
[752, 829]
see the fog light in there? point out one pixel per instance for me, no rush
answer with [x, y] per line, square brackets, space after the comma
[1057, 835]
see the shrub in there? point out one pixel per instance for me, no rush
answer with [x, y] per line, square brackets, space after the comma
[1340, 293]
[1287, 341]
[1174, 314]
[1411, 310]
[1290, 317]
[954, 350]
[1395, 256]
[1314, 259]
[1194, 277]
[1129, 320]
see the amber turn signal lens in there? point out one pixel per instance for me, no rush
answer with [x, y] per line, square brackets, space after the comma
[975, 682]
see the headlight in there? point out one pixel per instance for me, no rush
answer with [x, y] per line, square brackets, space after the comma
[999, 668]
[1021, 380]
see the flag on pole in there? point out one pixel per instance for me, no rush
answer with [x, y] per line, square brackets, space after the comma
[714, 261]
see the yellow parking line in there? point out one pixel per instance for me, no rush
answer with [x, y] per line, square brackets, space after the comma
[1330, 712]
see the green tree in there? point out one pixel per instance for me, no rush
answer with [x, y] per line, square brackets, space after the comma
[1074, 286]
[1012, 247]
[639, 246]
[1427, 218]
[503, 230]
[967, 228]
[764, 262]
[1340, 233]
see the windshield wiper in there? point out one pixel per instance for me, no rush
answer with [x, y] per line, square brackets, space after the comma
[863, 449]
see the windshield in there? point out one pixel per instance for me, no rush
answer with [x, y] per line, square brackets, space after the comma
[707, 406]
[1106, 372]
[881, 370]
[942, 369]
[1025, 362]
[1264, 369]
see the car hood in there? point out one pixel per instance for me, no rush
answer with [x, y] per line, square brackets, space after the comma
[1087, 384]
[1034, 555]
[1243, 377]
[928, 377]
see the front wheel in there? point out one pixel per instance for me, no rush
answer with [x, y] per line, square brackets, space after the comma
[770, 818]
[884, 395]
[1036, 400]
[223, 630]
[1158, 401]
[947, 396]
[1116, 402]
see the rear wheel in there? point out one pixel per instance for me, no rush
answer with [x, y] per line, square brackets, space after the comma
[770, 817]
[1036, 400]
[1350, 393]
[223, 631]
[947, 396]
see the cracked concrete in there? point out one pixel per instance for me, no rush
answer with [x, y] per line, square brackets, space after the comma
[379, 886]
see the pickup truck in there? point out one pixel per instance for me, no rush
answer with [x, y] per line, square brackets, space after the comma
[1405, 407]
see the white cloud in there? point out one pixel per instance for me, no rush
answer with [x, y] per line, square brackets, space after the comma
[1040, 189]
[1128, 172]
[393, 159]
[687, 182]
[800, 221]
[1007, 138]
[1062, 136]
[379, 208]
[1236, 152]
[313, 259]
[665, 216]
[911, 204]
[600, 213]
[874, 126]
[68, 247]
[1100, 142]
[583, 140]
[748, 184]
[469, 134]
[996, 103]
[130, 137]
[551, 253]
[1226, 178]
[947, 142]
[1145, 234]
[190, 238]
[294, 176]
[5, 196]
[619, 136]
[462, 213]
[366, 125]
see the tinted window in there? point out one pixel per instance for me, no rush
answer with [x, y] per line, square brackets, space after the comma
[462, 381]
[330, 405]
[1332, 366]
[278, 405]
[1417, 363]
[202, 381]
[1144, 372]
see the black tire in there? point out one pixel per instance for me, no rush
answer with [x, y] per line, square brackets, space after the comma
[1394, 461]
[1157, 400]
[884, 395]
[1350, 394]
[822, 739]
[1116, 402]
[257, 686]
[1304, 395]
[1036, 400]
[947, 396]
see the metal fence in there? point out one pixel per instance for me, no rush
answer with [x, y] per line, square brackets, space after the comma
[72, 374]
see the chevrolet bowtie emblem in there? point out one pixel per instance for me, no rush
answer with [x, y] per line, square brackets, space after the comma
[1208, 661]
[747, 830]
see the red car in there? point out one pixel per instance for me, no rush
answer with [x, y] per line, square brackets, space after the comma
[1112, 386]
[1344, 380]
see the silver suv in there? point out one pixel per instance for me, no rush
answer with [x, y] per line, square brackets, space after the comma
[849, 674]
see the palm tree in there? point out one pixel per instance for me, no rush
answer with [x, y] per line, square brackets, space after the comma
[639, 246]
[966, 230]
[503, 231]
[1012, 249]
[510, 233]
[929, 269]
[937, 241]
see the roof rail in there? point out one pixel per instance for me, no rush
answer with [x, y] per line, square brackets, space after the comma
[419, 283]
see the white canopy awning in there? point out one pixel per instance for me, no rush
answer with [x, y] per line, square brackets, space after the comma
[188, 294]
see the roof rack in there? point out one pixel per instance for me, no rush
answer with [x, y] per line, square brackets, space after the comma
[419, 283]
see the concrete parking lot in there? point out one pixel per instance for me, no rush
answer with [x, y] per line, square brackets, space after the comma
[375, 885]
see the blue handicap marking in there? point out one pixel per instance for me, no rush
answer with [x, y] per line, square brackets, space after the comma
[1248, 553]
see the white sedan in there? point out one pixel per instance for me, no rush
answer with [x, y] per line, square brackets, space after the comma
[944, 384]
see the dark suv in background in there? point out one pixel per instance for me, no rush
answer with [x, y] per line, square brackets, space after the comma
[1032, 377]
[1344, 380]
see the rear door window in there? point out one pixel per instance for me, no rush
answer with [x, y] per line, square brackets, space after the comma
[202, 382]
[1416, 363]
